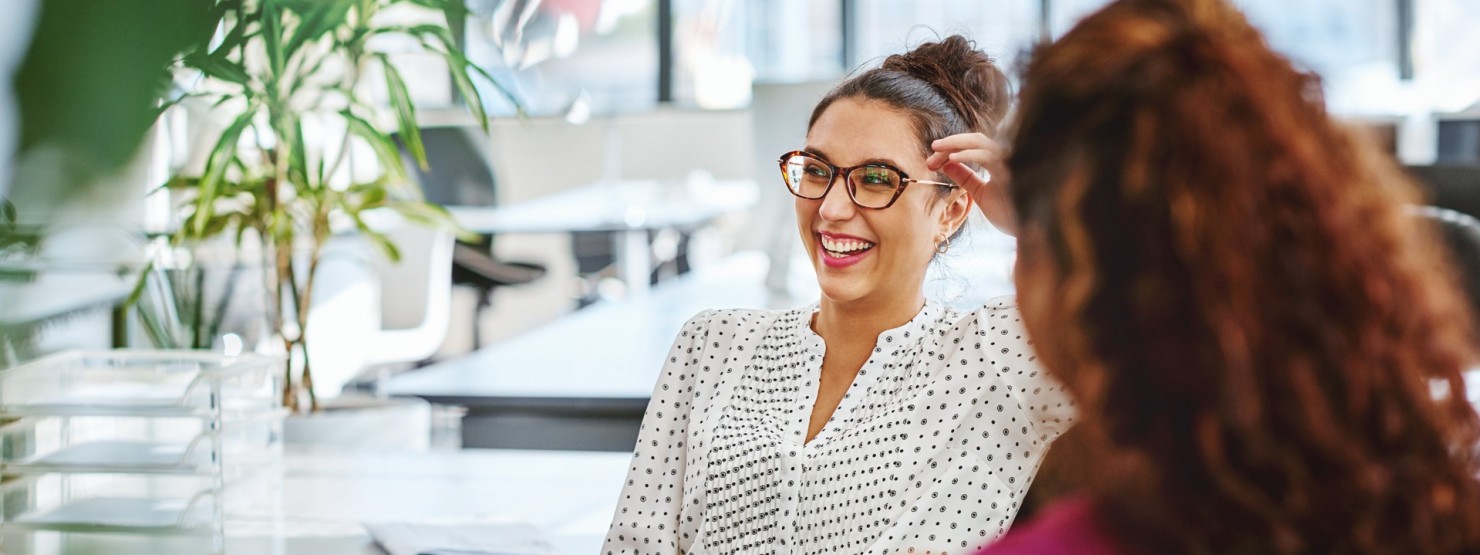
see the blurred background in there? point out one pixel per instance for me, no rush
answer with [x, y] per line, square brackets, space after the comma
[693, 90]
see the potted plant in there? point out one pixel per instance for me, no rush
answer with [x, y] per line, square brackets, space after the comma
[278, 72]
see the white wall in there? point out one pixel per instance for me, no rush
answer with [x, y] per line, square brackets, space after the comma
[535, 157]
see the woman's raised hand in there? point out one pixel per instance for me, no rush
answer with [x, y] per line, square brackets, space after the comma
[959, 156]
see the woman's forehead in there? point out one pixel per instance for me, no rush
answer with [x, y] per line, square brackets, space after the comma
[852, 131]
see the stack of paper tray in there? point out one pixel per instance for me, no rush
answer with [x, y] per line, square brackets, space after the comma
[149, 442]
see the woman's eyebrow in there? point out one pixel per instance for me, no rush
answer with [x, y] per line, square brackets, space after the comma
[885, 161]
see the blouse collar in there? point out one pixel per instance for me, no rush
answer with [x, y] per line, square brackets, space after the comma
[904, 334]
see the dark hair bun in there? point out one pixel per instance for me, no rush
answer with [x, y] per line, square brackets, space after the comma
[965, 76]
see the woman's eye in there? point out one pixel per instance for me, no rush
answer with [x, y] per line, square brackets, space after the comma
[817, 171]
[876, 177]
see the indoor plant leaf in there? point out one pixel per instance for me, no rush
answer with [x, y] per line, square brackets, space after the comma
[405, 111]
[385, 148]
[315, 19]
[272, 37]
[216, 165]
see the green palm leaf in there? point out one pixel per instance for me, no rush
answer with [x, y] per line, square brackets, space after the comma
[385, 148]
[219, 160]
[404, 109]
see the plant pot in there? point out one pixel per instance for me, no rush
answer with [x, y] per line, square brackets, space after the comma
[362, 423]
[208, 296]
[216, 297]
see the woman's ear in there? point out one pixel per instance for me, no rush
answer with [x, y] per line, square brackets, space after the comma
[957, 208]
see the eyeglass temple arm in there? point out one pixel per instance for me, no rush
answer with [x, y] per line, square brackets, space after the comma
[913, 180]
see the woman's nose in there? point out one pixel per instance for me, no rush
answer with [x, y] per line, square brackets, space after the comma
[836, 206]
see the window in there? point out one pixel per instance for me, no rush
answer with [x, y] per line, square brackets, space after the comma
[604, 54]
[1446, 53]
[710, 66]
[1352, 44]
[565, 55]
[722, 46]
[1001, 28]
[1332, 37]
[791, 41]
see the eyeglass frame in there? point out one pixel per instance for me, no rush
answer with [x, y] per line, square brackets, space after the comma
[844, 171]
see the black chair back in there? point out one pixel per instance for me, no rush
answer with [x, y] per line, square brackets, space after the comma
[1459, 139]
[1453, 187]
[1461, 233]
[458, 172]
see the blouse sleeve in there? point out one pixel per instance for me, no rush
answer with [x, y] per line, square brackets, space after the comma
[1044, 397]
[647, 516]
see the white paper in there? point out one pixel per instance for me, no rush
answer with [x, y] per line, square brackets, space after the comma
[399, 538]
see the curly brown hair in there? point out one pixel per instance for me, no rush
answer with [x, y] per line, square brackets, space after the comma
[1265, 344]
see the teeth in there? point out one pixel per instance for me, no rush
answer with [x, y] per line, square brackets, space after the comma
[844, 245]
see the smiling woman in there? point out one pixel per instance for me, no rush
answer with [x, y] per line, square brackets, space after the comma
[873, 421]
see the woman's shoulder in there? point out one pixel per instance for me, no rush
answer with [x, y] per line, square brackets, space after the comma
[731, 317]
[1001, 307]
[735, 322]
[995, 314]
[713, 341]
[993, 344]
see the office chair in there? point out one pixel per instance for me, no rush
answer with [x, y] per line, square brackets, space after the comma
[413, 312]
[1459, 137]
[458, 174]
[1461, 234]
[596, 259]
[1452, 186]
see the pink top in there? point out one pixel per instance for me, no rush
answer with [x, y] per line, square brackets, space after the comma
[1067, 527]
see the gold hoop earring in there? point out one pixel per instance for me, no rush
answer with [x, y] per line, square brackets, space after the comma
[943, 246]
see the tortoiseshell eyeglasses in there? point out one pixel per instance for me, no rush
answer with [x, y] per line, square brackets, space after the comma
[874, 185]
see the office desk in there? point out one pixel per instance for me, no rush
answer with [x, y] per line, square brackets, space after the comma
[57, 295]
[629, 208]
[587, 376]
[326, 496]
[70, 309]
[614, 206]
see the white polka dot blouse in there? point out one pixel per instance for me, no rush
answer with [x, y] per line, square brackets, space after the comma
[931, 448]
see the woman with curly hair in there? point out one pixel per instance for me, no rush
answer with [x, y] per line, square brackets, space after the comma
[1266, 348]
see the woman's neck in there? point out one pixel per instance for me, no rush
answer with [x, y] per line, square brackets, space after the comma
[864, 319]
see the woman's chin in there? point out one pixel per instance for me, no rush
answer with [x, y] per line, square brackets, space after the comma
[841, 289]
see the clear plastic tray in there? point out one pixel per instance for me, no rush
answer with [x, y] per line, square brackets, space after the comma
[155, 445]
[120, 503]
[140, 383]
